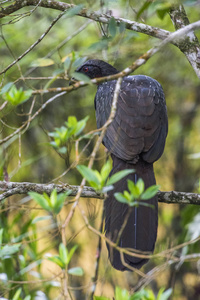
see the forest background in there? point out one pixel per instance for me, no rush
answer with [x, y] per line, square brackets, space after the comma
[54, 248]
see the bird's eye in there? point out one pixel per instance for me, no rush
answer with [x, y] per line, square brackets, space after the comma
[85, 69]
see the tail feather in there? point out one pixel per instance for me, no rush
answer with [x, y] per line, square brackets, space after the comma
[140, 231]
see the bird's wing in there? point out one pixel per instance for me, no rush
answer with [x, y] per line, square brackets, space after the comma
[140, 124]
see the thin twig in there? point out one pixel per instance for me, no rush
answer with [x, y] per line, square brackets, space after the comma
[33, 45]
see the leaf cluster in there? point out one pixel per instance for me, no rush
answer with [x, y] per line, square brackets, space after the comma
[65, 134]
[52, 203]
[136, 193]
[13, 95]
[99, 180]
[144, 294]
[64, 258]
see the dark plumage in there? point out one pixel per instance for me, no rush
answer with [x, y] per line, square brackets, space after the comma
[135, 139]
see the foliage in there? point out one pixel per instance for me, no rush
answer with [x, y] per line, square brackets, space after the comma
[99, 180]
[137, 193]
[67, 134]
[15, 96]
[54, 203]
[64, 259]
[144, 294]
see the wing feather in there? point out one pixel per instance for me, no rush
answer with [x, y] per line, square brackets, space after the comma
[140, 124]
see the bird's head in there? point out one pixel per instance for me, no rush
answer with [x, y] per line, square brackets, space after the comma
[94, 68]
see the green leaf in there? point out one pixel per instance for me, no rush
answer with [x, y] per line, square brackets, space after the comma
[42, 218]
[112, 27]
[41, 200]
[16, 96]
[6, 88]
[57, 261]
[8, 250]
[89, 175]
[143, 8]
[77, 271]
[63, 253]
[134, 190]
[118, 176]
[164, 295]
[81, 77]
[42, 62]
[17, 294]
[142, 295]
[122, 27]
[150, 192]
[78, 62]
[74, 11]
[121, 198]
[81, 125]
[72, 121]
[67, 63]
[71, 253]
[121, 294]
[162, 9]
[140, 185]
[27, 297]
[60, 201]
[53, 198]
[62, 150]
[1, 236]
[105, 170]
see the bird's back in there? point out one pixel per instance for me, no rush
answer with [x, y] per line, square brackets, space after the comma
[140, 124]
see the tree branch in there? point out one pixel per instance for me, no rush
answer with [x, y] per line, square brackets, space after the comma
[18, 188]
[189, 45]
[86, 13]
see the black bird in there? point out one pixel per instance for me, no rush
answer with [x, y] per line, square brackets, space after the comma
[136, 139]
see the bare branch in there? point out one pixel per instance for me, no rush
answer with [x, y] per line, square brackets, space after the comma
[18, 188]
[33, 45]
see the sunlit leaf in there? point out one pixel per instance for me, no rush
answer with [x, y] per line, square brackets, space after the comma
[118, 176]
[17, 294]
[140, 185]
[40, 199]
[120, 198]
[150, 192]
[105, 170]
[63, 253]
[77, 271]
[57, 260]
[16, 96]
[88, 174]
[71, 253]
[121, 294]
[164, 295]
[42, 62]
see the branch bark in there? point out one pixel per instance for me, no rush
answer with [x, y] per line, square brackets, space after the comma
[189, 45]
[18, 188]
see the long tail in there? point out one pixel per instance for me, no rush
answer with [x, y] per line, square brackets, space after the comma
[140, 231]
